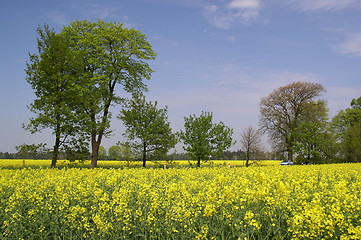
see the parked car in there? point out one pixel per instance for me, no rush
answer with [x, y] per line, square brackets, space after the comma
[286, 163]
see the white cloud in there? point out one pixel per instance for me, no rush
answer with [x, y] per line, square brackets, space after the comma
[217, 18]
[211, 8]
[314, 5]
[244, 4]
[351, 46]
[187, 3]
[232, 12]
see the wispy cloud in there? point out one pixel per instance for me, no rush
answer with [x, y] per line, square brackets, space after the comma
[187, 3]
[315, 5]
[89, 11]
[244, 4]
[351, 46]
[226, 14]
[234, 76]
[58, 18]
[101, 11]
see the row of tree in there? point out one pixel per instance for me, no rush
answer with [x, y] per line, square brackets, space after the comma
[118, 153]
[298, 125]
[75, 74]
[81, 72]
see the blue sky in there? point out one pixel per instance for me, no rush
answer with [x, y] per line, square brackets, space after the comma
[221, 56]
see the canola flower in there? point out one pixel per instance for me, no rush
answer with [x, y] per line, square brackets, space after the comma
[274, 202]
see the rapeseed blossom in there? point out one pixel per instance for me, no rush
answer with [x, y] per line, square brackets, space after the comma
[299, 202]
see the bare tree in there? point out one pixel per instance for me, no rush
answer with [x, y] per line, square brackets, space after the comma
[284, 109]
[251, 142]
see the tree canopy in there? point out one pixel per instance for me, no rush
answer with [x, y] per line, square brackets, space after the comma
[284, 109]
[52, 73]
[347, 125]
[147, 128]
[202, 138]
[111, 55]
[314, 141]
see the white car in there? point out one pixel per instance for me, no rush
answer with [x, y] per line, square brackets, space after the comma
[286, 163]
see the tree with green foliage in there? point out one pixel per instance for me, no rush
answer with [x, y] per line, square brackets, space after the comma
[356, 103]
[102, 153]
[52, 74]
[284, 109]
[111, 55]
[127, 153]
[314, 143]
[313, 140]
[31, 150]
[115, 153]
[202, 138]
[347, 125]
[147, 128]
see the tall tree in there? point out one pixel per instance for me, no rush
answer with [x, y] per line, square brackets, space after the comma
[51, 73]
[111, 55]
[202, 138]
[251, 142]
[282, 111]
[147, 128]
[347, 125]
[313, 139]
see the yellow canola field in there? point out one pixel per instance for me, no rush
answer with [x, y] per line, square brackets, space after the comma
[272, 202]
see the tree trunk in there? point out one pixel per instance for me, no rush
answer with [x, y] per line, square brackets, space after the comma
[144, 162]
[290, 155]
[289, 149]
[94, 142]
[95, 150]
[56, 148]
[247, 158]
[144, 154]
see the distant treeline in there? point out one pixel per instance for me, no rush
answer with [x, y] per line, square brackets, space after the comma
[226, 155]
[7, 155]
